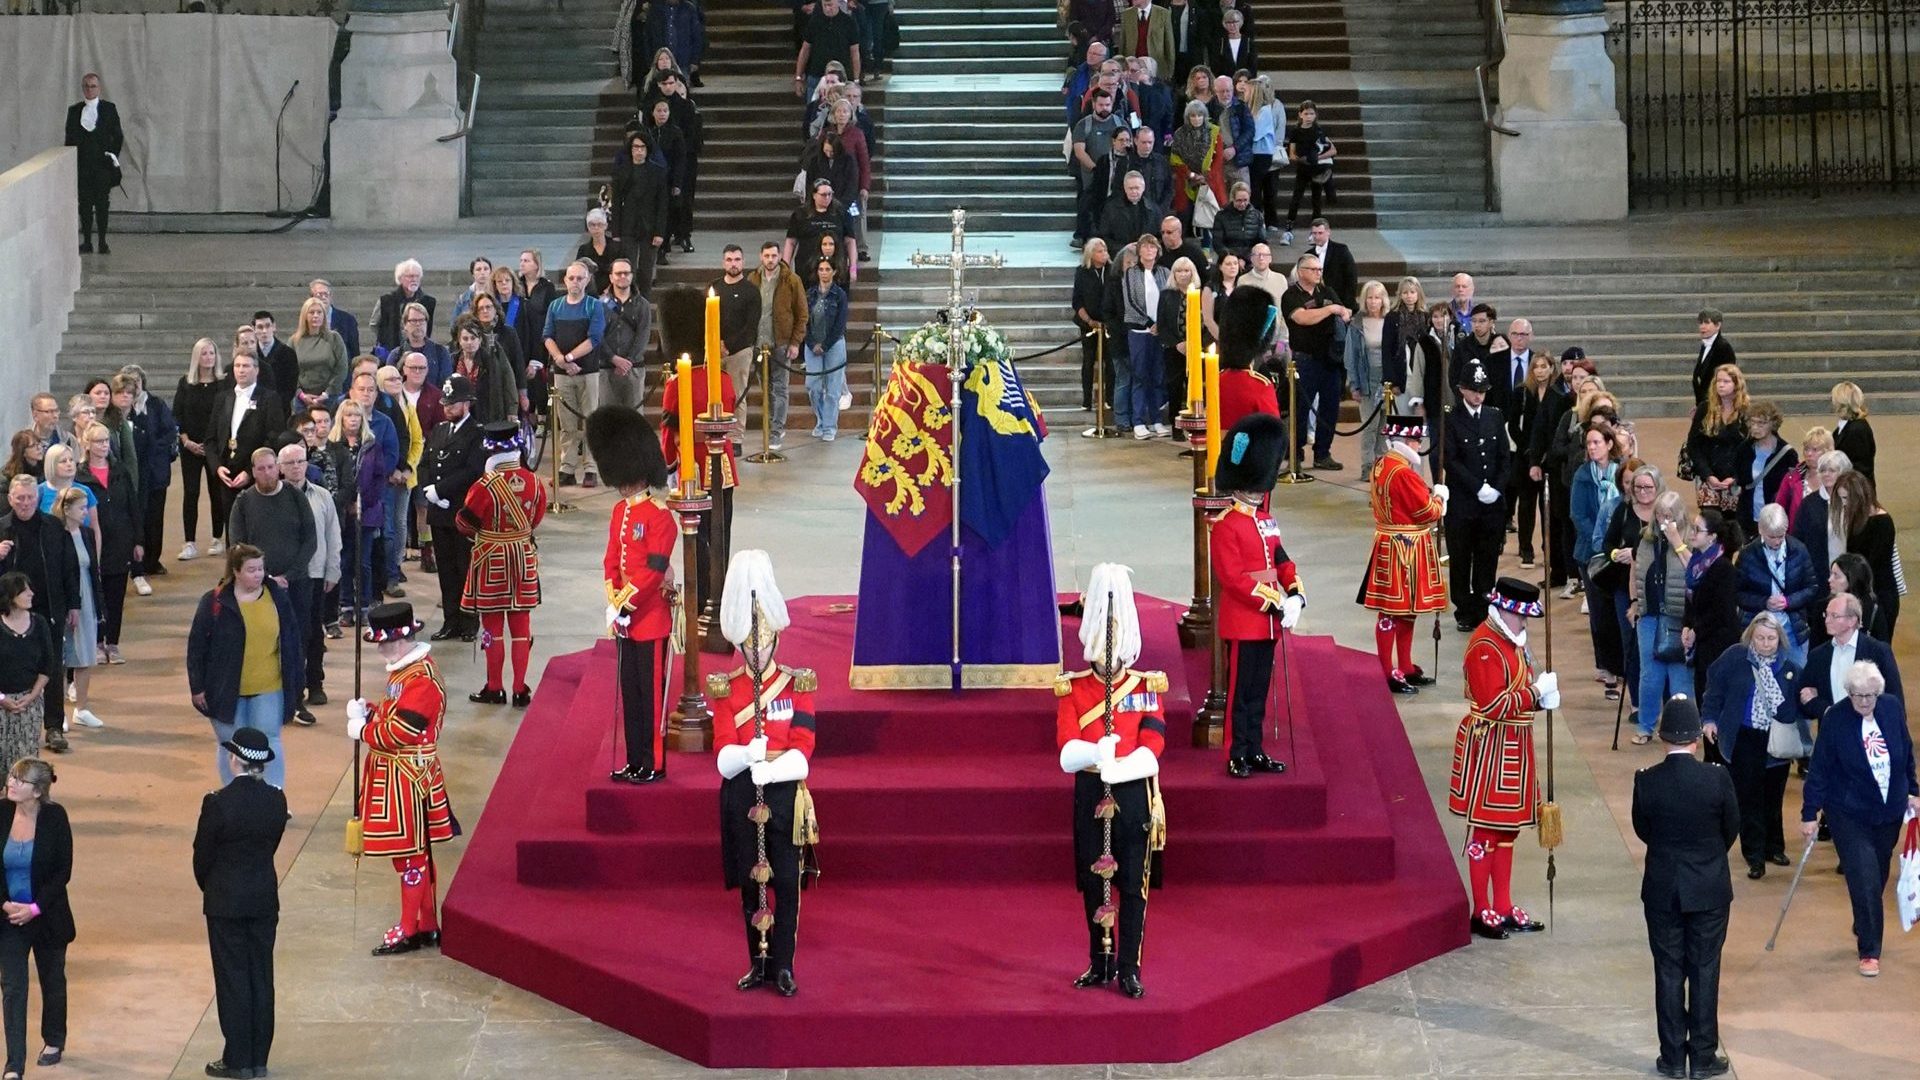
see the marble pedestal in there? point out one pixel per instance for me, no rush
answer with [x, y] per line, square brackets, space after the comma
[1569, 162]
[399, 92]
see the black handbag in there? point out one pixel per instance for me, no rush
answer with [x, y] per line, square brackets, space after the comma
[1667, 646]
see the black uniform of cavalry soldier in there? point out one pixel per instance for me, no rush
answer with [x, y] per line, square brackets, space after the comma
[1686, 811]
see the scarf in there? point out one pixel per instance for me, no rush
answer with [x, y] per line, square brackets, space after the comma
[1699, 562]
[1767, 697]
[1192, 144]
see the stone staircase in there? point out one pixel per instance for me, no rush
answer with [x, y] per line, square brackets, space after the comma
[1007, 172]
[1799, 324]
[1426, 151]
[1383, 35]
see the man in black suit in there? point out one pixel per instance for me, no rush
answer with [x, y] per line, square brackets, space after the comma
[340, 320]
[93, 129]
[246, 417]
[1827, 664]
[1336, 261]
[240, 829]
[1714, 351]
[279, 365]
[36, 545]
[1686, 812]
[1476, 478]
[454, 460]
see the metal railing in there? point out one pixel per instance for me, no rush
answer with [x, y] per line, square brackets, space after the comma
[1487, 71]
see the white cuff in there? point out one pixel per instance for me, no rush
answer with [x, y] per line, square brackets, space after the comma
[732, 760]
[1135, 766]
[1078, 754]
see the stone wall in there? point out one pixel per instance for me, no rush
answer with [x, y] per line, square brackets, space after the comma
[39, 231]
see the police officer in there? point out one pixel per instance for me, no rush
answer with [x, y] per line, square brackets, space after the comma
[1686, 812]
[233, 847]
[453, 460]
[1477, 464]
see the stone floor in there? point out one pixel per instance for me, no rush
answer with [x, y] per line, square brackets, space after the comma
[1572, 1003]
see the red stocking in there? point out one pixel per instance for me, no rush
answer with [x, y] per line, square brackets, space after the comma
[520, 628]
[1503, 870]
[414, 886]
[492, 626]
[1480, 848]
[1383, 633]
[1403, 637]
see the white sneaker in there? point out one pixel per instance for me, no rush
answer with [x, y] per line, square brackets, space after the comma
[219, 547]
[1567, 592]
[777, 443]
[85, 718]
[1090, 433]
[1583, 605]
[828, 436]
[1140, 432]
[1161, 431]
[140, 586]
[189, 553]
[846, 400]
[1286, 238]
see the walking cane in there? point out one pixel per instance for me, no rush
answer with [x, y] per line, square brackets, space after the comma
[1784, 904]
[355, 829]
[1619, 711]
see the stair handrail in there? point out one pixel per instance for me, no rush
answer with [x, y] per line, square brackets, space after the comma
[1495, 14]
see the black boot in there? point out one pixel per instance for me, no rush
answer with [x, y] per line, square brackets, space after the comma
[1398, 684]
[1263, 763]
[784, 983]
[751, 980]
[1095, 975]
[488, 696]
[1238, 768]
[1130, 985]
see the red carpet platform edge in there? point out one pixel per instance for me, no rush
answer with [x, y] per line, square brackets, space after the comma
[960, 951]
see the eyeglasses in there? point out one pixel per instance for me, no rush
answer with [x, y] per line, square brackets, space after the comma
[415, 319]
[1839, 615]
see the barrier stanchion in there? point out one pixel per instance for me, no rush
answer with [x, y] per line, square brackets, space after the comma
[880, 336]
[1102, 409]
[1294, 474]
[768, 455]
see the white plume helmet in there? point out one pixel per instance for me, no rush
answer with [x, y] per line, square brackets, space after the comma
[750, 579]
[1117, 580]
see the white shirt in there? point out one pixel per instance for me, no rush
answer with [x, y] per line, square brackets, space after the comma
[1843, 654]
[1879, 760]
[242, 401]
[1706, 344]
[90, 113]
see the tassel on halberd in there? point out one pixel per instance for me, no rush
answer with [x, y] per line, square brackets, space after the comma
[1552, 831]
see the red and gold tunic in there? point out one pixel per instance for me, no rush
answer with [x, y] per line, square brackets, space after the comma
[1403, 572]
[1138, 712]
[1245, 545]
[403, 794]
[670, 428]
[500, 513]
[641, 533]
[1493, 781]
[787, 705]
[1243, 393]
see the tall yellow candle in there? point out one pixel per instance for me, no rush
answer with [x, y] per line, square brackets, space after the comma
[1212, 403]
[689, 470]
[1195, 392]
[713, 353]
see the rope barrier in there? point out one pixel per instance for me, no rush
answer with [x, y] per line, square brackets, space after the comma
[1364, 424]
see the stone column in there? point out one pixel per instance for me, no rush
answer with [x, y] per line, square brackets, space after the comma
[399, 92]
[1569, 162]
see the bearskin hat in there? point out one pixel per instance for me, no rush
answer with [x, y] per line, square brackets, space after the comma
[1250, 453]
[1248, 321]
[624, 446]
[682, 311]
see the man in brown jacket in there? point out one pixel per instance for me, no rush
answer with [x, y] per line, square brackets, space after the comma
[783, 328]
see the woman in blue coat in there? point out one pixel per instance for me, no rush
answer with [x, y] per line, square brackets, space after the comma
[1862, 780]
[1590, 501]
[1751, 687]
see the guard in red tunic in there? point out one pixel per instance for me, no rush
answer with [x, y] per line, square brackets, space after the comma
[681, 313]
[1247, 319]
[1403, 571]
[641, 533]
[767, 825]
[1493, 784]
[503, 583]
[1113, 866]
[1259, 588]
[403, 794]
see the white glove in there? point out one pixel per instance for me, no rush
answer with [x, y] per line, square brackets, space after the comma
[432, 494]
[356, 717]
[1546, 690]
[1411, 402]
[791, 765]
[1290, 611]
[762, 772]
[1078, 754]
[1135, 766]
[1487, 495]
[732, 760]
[1104, 749]
[1441, 492]
[613, 616]
[757, 749]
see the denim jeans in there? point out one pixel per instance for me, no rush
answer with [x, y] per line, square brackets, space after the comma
[358, 577]
[260, 711]
[399, 506]
[1147, 389]
[778, 382]
[1631, 677]
[1659, 679]
[1122, 388]
[826, 381]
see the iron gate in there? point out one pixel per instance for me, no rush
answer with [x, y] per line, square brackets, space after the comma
[1725, 99]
